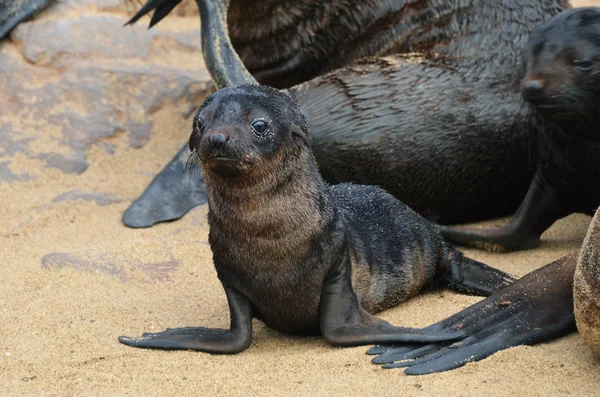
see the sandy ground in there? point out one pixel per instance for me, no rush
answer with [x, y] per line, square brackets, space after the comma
[75, 278]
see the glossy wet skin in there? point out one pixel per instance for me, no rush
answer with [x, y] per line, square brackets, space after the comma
[563, 66]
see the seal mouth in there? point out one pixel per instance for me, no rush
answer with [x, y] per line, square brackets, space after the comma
[547, 106]
[220, 159]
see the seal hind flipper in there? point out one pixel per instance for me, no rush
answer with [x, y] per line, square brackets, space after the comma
[210, 340]
[161, 9]
[169, 196]
[13, 14]
[469, 276]
[541, 207]
[534, 309]
[344, 322]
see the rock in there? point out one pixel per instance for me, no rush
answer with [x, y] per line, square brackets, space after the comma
[123, 267]
[6, 174]
[94, 80]
[99, 198]
[60, 42]
[74, 163]
[586, 290]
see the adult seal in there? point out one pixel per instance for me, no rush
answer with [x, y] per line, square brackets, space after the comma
[548, 303]
[562, 85]
[433, 129]
[305, 257]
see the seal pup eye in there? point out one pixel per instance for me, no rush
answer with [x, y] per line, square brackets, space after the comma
[259, 127]
[583, 65]
[200, 124]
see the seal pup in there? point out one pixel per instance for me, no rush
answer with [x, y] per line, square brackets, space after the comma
[562, 84]
[410, 101]
[305, 257]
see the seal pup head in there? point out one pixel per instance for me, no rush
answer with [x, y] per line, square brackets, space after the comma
[563, 66]
[242, 133]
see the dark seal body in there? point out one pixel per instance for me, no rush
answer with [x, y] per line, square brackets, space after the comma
[562, 85]
[281, 265]
[433, 130]
[304, 257]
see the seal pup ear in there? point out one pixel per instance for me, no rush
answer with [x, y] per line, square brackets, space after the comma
[298, 132]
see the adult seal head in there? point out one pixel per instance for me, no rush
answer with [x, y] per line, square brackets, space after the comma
[562, 84]
[305, 257]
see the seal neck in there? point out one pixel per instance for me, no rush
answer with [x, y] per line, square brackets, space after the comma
[289, 196]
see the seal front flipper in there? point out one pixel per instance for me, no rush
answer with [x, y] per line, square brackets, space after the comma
[534, 309]
[344, 322]
[171, 194]
[234, 340]
[542, 206]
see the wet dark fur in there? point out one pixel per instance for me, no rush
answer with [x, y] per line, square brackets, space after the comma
[569, 149]
[277, 229]
[445, 131]
[562, 86]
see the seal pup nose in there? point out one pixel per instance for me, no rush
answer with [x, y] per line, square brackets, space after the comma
[217, 140]
[532, 89]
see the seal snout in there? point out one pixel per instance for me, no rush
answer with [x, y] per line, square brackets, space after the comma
[217, 140]
[533, 90]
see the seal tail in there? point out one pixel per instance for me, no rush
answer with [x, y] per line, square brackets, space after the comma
[470, 276]
[161, 9]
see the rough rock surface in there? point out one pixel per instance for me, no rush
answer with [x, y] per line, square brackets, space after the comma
[93, 80]
[587, 287]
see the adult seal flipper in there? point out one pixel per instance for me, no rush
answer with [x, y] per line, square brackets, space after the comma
[543, 205]
[587, 287]
[14, 12]
[171, 194]
[534, 309]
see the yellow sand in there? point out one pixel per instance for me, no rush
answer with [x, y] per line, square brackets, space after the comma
[59, 325]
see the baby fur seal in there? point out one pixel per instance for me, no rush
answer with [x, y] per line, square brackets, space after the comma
[305, 257]
[562, 84]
